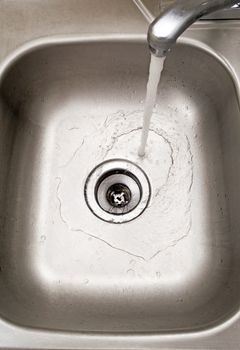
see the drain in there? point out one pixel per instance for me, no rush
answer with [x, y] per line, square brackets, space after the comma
[117, 191]
[118, 195]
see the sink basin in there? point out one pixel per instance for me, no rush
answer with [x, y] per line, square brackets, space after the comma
[68, 106]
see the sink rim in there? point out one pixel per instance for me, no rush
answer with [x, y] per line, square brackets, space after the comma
[43, 42]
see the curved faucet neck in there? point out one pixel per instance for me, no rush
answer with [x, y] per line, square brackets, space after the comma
[164, 30]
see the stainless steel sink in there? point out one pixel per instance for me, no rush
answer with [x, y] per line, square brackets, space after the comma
[71, 108]
[66, 106]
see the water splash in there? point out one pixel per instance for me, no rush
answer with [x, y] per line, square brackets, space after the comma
[155, 70]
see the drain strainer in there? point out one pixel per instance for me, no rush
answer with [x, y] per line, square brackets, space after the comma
[117, 191]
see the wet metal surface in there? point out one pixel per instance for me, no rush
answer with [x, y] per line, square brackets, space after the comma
[169, 278]
[172, 269]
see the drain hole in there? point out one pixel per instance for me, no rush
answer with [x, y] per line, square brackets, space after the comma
[118, 195]
[117, 191]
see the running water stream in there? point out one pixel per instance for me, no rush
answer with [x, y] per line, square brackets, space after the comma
[155, 70]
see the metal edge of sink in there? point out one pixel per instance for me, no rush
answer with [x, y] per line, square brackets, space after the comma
[6, 64]
[26, 337]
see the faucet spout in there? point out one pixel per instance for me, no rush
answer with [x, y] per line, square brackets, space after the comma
[164, 30]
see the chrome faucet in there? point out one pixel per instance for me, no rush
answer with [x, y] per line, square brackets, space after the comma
[164, 30]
